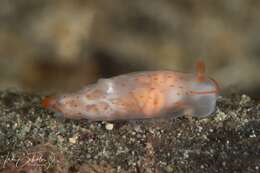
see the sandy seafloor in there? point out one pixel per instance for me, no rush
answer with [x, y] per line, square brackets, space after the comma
[32, 139]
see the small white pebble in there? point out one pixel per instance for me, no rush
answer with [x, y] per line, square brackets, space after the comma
[137, 128]
[133, 133]
[73, 140]
[60, 138]
[227, 142]
[200, 128]
[244, 99]
[162, 163]
[220, 116]
[118, 168]
[204, 137]
[186, 154]
[92, 126]
[109, 126]
[233, 114]
[15, 125]
[252, 135]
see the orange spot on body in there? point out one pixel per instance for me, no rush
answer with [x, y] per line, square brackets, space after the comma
[180, 104]
[94, 95]
[92, 108]
[154, 103]
[102, 106]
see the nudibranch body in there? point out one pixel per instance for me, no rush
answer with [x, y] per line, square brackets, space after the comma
[141, 95]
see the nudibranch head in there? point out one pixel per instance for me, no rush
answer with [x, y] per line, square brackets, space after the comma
[203, 92]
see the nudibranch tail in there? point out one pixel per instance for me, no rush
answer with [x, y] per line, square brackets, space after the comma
[48, 102]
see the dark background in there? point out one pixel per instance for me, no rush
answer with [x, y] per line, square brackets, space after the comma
[56, 46]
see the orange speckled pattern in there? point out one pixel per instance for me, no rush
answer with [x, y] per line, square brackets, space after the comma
[141, 95]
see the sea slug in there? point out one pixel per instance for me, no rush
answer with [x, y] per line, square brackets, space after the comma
[141, 95]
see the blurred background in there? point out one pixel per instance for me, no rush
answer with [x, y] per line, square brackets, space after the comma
[59, 46]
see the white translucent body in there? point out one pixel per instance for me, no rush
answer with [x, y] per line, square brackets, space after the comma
[140, 95]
